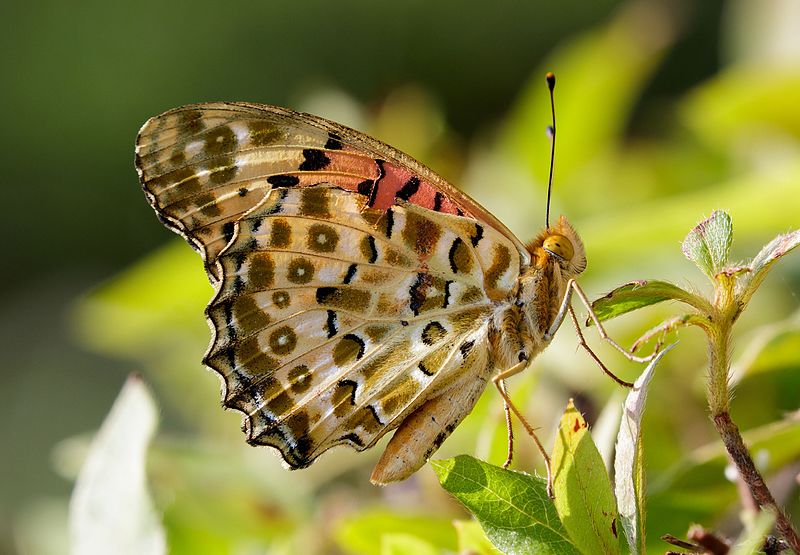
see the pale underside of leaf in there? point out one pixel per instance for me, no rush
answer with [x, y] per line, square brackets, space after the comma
[628, 471]
[709, 243]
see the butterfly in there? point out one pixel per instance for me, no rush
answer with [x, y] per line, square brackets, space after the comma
[357, 292]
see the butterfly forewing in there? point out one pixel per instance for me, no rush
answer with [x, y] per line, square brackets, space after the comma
[335, 321]
[203, 166]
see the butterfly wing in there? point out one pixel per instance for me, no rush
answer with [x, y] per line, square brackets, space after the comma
[203, 166]
[334, 321]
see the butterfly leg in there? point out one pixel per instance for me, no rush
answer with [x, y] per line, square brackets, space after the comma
[422, 432]
[603, 367]
[509, 429]
[498, 382]
[573, 287]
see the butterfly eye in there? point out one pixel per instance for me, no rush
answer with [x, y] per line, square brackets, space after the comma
[559, 246]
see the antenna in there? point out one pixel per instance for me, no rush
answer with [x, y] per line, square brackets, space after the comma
[551, 132]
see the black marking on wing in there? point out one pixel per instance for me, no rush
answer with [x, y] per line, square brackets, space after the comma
[353, 438]
[424, 369]
[373, 256]
[381, 174]
[417, 296]
[466, 347]
[408, 189]
[351, 273]
[389, 222]
[282, 180]
[437, 201]
[365, 187]
[353, 388]
[334, 141]
[227, 311]
[478, 235]
[227, 231]
[315, 160]
[332, 325]
[361, 345]
[374, 412]
[451, 255]
[324, 294]
[447, 285]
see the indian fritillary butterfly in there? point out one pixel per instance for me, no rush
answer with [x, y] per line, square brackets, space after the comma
[357, 292]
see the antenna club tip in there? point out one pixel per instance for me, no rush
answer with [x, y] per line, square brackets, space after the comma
[551, 80]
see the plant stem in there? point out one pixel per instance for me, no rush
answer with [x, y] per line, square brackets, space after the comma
[719, 361]
[752, 477]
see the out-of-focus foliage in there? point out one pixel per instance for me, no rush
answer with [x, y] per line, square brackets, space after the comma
[637, 164]
[111, 509]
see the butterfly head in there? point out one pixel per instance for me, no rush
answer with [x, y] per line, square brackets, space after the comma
[561, 244]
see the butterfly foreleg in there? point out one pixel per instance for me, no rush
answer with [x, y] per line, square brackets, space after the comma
[498, 381]
[583, 344]
[573, 287]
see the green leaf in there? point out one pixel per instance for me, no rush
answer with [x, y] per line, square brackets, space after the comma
[364, 533]
[628, 469]
[111, 510]
[584, 499]
[513, 508]
[761, 264]
[709, 243]
[472, 538]
[639, 294]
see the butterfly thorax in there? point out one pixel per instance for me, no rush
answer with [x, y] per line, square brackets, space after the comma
[519, 328]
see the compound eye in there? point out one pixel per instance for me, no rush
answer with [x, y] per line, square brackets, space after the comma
[559, 246]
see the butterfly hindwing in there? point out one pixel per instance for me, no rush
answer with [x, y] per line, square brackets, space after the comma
[334, 321]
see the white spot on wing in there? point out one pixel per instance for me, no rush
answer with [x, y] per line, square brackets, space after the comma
[194, 148]
[241, 131]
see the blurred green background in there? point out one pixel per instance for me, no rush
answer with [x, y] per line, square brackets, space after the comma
[667, 110]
